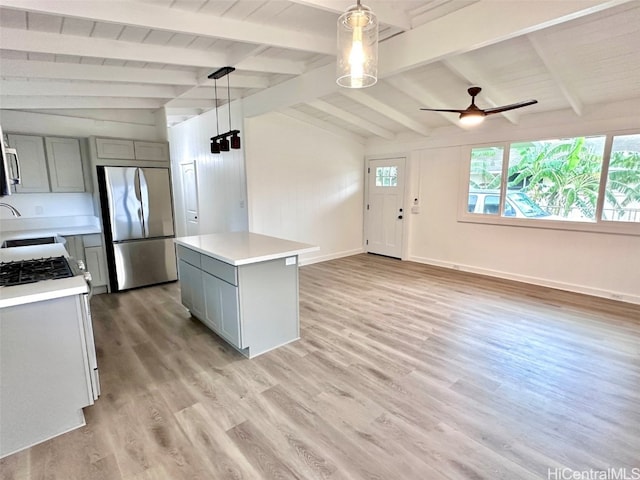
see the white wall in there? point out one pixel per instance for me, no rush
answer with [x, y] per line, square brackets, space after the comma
[221, 177]
[305, 184]
[594, 263]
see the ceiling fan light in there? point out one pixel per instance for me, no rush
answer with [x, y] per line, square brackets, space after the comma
[235, 141]
[357, 60]
[224, 144]
[471, 118]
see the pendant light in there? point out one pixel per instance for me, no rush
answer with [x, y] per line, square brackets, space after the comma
[221, 143]
[357, 62]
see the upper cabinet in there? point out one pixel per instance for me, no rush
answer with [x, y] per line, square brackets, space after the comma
[48, 164]
[154, 151]
[120, 149]
[115, 148]
[33, 163]
[65, 164]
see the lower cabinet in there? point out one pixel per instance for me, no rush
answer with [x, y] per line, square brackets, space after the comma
[221, 300]
[254, 307]
[96, 262]
[191, 289]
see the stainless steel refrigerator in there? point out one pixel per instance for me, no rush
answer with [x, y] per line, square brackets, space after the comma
[137, 216]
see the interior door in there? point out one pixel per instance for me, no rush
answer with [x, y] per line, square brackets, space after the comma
[190, 195]
[385, 208]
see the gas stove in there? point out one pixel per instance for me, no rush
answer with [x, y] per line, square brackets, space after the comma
[31, 271]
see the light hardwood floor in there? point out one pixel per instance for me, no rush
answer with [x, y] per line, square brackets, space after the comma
[404, 371]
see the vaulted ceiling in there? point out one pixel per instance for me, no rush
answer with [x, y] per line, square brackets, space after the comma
[125, 60]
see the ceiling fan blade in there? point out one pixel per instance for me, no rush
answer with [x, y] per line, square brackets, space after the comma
[443, 110]
[504, 108]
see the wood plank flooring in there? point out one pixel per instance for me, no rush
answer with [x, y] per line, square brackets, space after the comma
[404, 371]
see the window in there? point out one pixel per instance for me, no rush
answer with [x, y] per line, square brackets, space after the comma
[582, 180]
[561, 177]
[622, 193]
[386, 176]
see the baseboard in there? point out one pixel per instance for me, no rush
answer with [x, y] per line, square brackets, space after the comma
[331, 256]
[543, 282]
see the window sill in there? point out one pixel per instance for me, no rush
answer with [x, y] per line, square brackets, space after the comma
[609, 228]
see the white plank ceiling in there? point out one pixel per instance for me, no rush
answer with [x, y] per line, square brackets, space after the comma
[127, 59]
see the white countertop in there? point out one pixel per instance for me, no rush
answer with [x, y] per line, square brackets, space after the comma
[48, 232]
[38, 291]
[242, 248]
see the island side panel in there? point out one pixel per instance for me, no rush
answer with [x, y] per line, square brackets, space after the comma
[43, 371]
[269, 304]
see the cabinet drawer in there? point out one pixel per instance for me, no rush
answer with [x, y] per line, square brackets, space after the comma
[189, 256]
[219, 269]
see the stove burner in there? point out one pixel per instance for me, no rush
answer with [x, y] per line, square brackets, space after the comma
[30, 271]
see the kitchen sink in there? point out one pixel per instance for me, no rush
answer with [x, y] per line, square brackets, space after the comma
[24, 242]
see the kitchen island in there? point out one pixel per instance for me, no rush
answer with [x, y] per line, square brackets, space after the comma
[47, 354]
[244, 286]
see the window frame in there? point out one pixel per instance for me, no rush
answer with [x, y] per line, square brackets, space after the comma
[598, 226]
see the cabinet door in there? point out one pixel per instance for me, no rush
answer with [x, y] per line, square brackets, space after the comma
[155, 151]
[221, 301]
[115, 148]
[97, 266]
[65, 164]
[75, 246]
[191, 289]
[33, 163]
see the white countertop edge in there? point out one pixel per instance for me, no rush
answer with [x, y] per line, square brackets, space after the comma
[264, 258]
[40, 296]
[246, 261]
[49, 232]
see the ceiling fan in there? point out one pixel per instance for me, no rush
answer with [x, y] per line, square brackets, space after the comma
[472, 115]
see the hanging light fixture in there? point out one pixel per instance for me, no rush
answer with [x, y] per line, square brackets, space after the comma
[215, 146]
[221, 143]
[357, 62]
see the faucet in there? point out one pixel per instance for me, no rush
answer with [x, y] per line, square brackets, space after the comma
[14, 210]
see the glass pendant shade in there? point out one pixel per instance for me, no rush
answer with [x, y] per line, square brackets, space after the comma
[224, 145]
[357, 62]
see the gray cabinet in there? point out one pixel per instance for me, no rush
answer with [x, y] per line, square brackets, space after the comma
[33, 163]
[254, 307]
[95, 260]
[221, 314]
[191, 291]
[48, 164]
[123, 149]
[65, 164]
[115, 148]
[45, 369]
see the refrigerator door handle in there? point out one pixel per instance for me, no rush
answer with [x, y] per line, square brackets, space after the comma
[140, 186]
[144, 201]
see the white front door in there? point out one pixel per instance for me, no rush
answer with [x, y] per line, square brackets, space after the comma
[385, 206]
[190, 197]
